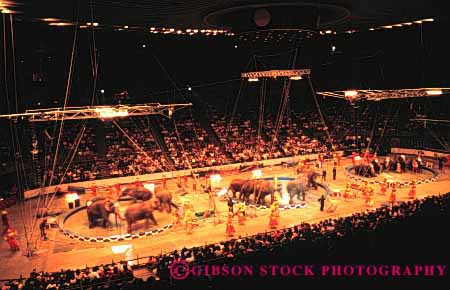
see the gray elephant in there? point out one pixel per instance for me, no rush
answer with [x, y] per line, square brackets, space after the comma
[140, 211]
[99, 209]
[165, 199]
[297, 188]
[138, 193]
[260, 188]
[236, 186]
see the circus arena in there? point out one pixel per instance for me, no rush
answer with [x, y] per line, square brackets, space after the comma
[210, 145]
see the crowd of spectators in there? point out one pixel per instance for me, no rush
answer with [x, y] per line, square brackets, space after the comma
[83, 162]
[240, 139]
[297, 134]
[112, 276]
[374, 236]
[124, 157]
[189, 144]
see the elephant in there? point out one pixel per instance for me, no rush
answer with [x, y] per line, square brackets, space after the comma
[94, 199]
[312, 179]
[140, 211]
[101, 208]
[261, 188]
[165, 199]
[138, 193]
[236, 186]
[297, 188]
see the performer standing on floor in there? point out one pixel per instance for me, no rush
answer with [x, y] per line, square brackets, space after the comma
[42, 228]
[230, 205]
[322, 202]
[241, 214]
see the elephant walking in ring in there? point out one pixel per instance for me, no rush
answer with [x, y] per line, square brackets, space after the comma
[236, 186]
[99, 208]
[297, 190]
[140, 211]
[259, 188]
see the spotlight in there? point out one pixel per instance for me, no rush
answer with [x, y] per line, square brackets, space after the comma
[235, 46]
[434, 92]
[144, 46]
[257, 173]
[189, 88]
[333, 48]
[350, 93]
[215, 180]
[102, 91]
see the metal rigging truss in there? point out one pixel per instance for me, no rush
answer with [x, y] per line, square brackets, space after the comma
[291, 73]
[97, 112]
[378, 95]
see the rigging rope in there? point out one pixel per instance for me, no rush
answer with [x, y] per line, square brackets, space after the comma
[320, 112]
[134, 143]
[262, 100]
[283, 103]
[14, 132]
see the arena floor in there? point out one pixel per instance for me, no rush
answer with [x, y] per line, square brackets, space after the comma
[61, 252]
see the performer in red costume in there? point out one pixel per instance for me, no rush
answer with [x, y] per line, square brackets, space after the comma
[241, 214]
[412, 191]
[393, 197]
[273, 219]
[347, 191]
[94, 190]
[230, 230]
[11, 239]
[383, 188]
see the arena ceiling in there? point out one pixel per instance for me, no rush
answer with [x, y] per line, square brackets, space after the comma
[229, 14]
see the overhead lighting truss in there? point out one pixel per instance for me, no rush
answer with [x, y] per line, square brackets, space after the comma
[294, 74]
[97, 112]
[378, 95]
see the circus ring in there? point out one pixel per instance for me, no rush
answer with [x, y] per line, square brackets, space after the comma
[427, 175]
[74, 223]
